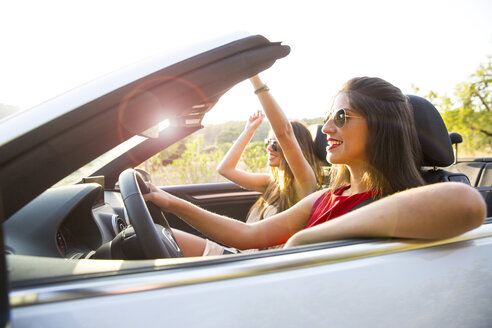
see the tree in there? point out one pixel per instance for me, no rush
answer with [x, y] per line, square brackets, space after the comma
[469, 111]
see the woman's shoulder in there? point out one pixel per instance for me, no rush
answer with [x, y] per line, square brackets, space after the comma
[340, 190]
[314, 197]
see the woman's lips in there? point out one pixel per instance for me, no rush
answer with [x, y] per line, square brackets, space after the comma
[333, 143]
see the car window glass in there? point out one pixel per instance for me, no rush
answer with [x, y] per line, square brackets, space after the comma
[99, 162]
[195, 159]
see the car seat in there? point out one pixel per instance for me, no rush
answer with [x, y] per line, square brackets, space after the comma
[320, 142]
[435, 142]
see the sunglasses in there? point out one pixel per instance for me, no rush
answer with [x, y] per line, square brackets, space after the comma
[275, 145]
[339, 117]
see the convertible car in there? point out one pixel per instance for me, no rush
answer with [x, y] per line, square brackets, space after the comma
[80, 248]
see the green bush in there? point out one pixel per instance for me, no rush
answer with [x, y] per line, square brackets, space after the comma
[254, 156]
[198, 163]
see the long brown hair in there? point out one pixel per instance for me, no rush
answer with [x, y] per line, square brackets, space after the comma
[393, 148]
[281, 190]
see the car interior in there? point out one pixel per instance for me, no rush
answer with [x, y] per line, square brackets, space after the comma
[87, 220]
[70, 231]
[440, 161]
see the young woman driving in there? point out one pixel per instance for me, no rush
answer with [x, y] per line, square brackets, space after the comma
[373, 146]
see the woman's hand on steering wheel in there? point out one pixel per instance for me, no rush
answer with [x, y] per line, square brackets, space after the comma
[157, 241]
[158, 197]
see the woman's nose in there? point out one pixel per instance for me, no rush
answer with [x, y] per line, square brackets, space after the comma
[329, 127]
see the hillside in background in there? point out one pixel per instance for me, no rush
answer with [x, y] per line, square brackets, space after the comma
[229, 131]
[195, 158]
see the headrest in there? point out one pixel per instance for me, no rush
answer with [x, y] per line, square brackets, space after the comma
[320, 141]
[433, 135]
[455, 137]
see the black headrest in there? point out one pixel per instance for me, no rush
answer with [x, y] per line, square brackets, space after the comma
[432, 132]
[455, 137]
[320, 141]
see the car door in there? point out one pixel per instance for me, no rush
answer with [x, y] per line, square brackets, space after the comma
[224, 198]
[4, 298]
[352, 283]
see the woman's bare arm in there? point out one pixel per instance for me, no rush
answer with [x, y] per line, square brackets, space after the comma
[303, 173]
[228, 165]
[435, 211]
[276, 230]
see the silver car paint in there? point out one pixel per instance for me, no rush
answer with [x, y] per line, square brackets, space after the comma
[439, 284]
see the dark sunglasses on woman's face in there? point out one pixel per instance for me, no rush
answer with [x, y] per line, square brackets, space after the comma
[339, 117]
[274, 142]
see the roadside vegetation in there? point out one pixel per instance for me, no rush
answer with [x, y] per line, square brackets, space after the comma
[195, 158]
[468, 111]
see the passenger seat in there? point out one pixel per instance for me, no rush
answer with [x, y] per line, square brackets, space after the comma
[320, 143]
[438, 153]
[435, 142]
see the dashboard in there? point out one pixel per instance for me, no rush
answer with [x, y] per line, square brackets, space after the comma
[68, 222]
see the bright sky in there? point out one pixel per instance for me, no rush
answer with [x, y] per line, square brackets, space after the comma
[49, 47]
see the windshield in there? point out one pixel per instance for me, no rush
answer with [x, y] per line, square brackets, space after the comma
[88, 169]
[101, 161]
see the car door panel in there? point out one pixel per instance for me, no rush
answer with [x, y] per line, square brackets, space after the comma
[432, 286]
[222, 198]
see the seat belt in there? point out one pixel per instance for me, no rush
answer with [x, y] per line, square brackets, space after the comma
[364, 203]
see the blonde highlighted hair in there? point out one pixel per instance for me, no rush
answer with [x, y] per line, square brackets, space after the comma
[281, 190]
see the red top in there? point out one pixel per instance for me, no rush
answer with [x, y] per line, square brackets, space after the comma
[332, 204]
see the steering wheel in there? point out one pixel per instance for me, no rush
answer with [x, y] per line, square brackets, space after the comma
[156, 241]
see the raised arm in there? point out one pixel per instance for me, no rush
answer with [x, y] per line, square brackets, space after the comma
[228, 165]
[435, 211]
[274, 231]
[303, 173]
